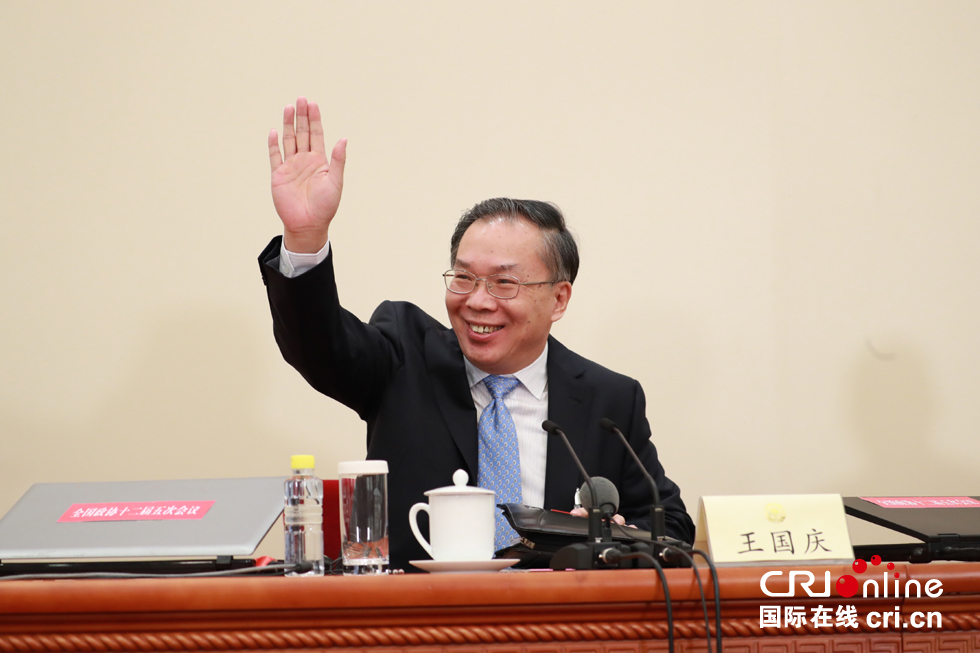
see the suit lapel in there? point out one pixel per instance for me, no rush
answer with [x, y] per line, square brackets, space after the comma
[450, 385]
[570, 406]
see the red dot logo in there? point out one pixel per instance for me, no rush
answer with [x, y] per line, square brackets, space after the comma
[859, 566]
[876, 560]
[847, 586]
[891, 565]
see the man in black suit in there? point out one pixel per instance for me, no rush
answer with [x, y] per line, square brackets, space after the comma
[418, 384]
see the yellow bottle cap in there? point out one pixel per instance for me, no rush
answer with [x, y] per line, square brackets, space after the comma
[302, 462]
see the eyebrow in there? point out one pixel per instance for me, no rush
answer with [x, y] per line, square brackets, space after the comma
[506, 267]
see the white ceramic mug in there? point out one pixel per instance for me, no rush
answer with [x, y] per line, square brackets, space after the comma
[461, 521]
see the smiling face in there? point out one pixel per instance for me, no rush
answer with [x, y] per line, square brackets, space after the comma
[503, 336]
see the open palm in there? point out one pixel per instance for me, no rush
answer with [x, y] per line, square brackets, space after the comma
[306, 187]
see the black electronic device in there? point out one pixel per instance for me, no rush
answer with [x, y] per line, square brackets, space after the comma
[948, 527]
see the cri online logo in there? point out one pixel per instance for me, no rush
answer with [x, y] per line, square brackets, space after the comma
[847, 585]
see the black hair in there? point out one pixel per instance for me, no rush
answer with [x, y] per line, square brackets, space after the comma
[560, 253]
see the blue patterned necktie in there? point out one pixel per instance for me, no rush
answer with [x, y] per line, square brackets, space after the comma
[500, 460]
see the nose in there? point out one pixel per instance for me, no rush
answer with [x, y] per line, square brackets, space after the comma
[481, 299]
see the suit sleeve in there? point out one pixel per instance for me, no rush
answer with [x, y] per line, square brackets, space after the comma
[637, 489]
[335, 352]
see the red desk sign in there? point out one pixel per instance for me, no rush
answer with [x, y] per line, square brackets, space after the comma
[924, 502]
[136, 511]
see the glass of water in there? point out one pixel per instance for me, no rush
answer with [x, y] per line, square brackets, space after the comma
[364, 516]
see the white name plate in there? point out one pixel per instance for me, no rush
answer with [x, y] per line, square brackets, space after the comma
[774, 529]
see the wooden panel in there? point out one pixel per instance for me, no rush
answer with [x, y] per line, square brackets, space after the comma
[968, 642]
[561, 612]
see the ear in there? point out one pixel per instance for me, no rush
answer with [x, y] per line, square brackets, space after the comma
[562, 292]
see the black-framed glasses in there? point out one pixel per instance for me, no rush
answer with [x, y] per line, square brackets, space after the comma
[501, 286]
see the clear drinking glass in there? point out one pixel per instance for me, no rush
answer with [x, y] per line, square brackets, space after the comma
[364, 516]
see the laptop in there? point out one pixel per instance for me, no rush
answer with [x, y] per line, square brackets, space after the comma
[214, 519]
[948, 527]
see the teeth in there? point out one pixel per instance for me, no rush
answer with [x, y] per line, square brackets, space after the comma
[484, 329]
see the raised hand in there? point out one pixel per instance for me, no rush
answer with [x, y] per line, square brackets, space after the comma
[306, 188]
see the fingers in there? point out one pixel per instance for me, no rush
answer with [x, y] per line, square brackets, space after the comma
[582, 512]
[302, 131]
[302, 125]
[316, 129]
[275, 157]
[288, 132]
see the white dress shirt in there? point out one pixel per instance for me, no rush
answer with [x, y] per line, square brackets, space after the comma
[528, 403]
[292, 264]
[528, 406]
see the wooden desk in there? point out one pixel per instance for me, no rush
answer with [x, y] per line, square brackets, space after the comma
[537, 612]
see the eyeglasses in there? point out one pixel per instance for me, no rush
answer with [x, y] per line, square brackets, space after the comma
[501, 286]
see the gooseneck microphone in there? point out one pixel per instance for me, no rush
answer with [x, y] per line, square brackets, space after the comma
[592, 554]
[660, 548]
[595, 514]
[658, 522]
[672, 552]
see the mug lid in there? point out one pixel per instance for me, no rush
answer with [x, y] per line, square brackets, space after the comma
[460, 480]
[356, 467]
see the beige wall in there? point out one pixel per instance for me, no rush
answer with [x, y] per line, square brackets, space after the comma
[777, 205]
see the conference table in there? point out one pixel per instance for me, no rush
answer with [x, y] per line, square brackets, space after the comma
[613, 611]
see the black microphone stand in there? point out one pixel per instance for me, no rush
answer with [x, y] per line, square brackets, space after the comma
[658, 520]
[658, 523]
[590, 554]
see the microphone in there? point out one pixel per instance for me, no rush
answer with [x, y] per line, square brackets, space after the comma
[672, 552]
[595, 516]
[658, 525]
[593, 554]
[607, 496]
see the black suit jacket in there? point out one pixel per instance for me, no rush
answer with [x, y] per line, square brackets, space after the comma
[403, 373]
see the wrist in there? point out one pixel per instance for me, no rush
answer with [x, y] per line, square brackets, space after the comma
[304, 242]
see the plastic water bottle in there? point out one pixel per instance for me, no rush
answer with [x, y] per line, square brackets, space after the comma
[303, 517]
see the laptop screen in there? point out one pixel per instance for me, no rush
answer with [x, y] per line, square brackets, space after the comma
[141, 519]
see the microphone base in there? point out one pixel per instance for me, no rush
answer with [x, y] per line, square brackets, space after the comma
[666, 557]
[592, 555]
[587, 555]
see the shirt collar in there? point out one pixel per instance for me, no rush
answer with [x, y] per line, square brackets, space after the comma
[534, 377]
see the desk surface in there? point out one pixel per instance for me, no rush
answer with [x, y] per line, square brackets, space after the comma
[612, 611]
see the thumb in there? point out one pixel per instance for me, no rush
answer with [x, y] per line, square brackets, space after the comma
[338, 158]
